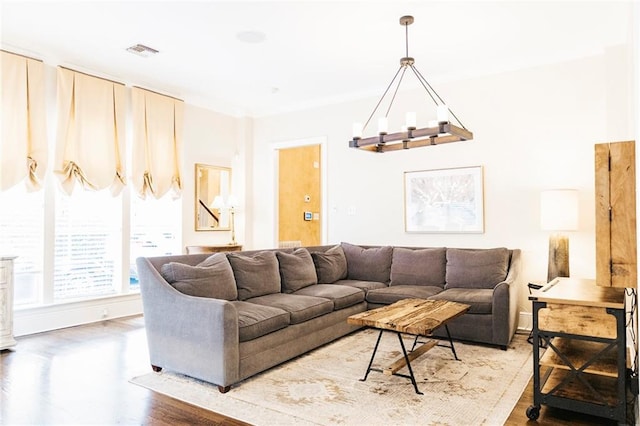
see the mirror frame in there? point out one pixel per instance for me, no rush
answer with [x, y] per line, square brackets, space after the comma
[205, 196]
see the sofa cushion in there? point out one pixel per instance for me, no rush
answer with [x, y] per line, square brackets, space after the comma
[385, 296]
[362, 285]
[301, 308]
[258, 320]
[211, 279]
[296, 270]
[480, 299]
[368, 264]
[331, 265]
[476, 268]
[418, 266]
[256, 274]
[341, 295]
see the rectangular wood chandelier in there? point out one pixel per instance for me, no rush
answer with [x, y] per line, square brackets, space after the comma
[436, 132]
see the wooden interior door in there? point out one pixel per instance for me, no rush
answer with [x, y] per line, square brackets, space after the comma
[299, 196]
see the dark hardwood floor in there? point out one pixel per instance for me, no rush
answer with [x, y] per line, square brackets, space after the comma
[80, 375]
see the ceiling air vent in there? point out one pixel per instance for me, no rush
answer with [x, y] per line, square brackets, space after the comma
[142, 50]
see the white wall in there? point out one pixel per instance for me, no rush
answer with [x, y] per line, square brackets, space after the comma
[534, 129]
[218, 140]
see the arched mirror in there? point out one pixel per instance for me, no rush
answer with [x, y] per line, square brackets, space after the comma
[212, 182]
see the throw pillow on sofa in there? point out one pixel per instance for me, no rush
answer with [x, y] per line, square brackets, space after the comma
[296, 270]
[480, 268]
[418, 266]
[368, 264]
[211, 278]
[331, 265]
[256, 274]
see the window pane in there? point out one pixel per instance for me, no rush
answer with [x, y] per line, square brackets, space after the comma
[88, 237]
[22, 235]
[156, 227]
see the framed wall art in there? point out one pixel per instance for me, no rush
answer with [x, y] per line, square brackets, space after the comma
[444, 200]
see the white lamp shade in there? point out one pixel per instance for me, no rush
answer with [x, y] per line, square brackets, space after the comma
[218, 202]
[232, 201]
[559, 210]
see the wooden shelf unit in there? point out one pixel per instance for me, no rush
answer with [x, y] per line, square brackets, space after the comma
[584, 367]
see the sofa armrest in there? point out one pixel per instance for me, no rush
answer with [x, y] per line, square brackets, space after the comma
[505, 301]
[190, 335]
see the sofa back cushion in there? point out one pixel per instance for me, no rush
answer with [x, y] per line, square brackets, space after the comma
[296, 270]
[368, 264]
[211, 278]
[256, 274]
[419, 266]
[331, 265]
[476, 268]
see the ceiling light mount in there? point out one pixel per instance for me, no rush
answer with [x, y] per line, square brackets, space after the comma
[410, 136]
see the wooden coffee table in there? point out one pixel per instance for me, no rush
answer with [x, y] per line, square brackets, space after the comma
[419, 317]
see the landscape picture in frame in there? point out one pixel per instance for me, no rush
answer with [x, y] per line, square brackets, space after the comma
[444, 200]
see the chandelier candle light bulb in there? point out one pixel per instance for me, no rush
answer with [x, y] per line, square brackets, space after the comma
[411, 121]
[383, 125]
[357, 130]
[443, 114]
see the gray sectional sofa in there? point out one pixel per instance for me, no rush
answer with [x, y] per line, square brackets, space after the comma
[224, 317]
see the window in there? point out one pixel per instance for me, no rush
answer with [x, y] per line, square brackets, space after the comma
[88, 245]
[22, 235]
[155, 230]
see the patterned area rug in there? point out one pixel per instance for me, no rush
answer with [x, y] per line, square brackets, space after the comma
[323, 387]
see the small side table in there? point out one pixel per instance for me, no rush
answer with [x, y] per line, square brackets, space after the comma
[213, 249]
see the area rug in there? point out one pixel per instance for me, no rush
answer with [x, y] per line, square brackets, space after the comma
[322, 387]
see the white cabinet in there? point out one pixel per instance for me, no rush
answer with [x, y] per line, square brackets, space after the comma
[6, 302]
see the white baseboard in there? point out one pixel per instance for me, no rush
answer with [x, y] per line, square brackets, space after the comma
[53, 317]
[525, 321]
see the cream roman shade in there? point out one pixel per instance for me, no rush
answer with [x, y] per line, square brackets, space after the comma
[23, 148]
[91, 131]
[157, 143]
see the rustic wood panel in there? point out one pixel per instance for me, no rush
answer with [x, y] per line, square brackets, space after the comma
[604, 386]
[299, 174]
[579, 352]
[400, 363]
[412, 316]
[551, 415]
[581, 320]
[580, 292]
[615, 183]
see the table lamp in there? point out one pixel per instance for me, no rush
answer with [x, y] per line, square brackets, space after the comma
[232, 202]
[558, 213]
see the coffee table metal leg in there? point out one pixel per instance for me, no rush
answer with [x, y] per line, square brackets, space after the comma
[406, 358]
[373, 355]
[453, 349]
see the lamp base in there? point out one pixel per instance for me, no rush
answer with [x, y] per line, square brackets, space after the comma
[558, 257]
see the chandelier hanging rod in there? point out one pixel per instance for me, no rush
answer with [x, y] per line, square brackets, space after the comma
[442, 131]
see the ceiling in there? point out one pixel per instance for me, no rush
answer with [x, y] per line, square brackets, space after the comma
[313, 53]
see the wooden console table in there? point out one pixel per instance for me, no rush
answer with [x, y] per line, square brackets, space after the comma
[584, 366]
[419, 317]
[213, 249]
